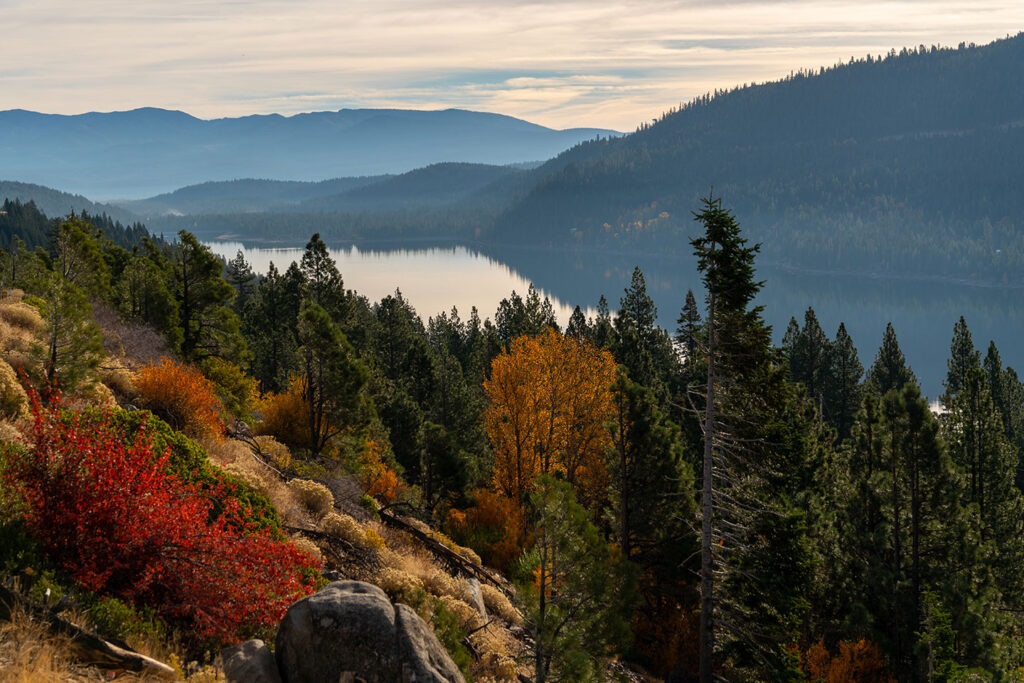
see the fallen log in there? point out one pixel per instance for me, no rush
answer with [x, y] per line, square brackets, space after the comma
[89, 648]
[457, 562]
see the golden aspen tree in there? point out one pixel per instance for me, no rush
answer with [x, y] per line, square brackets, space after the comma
[550, 400]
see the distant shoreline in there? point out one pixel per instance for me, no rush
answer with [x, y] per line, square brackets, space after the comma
[483, 246]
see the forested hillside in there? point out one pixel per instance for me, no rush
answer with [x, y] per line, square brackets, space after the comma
[902, 163]
[26, 225]
[56, 203]
[241, 196]
[662, 502]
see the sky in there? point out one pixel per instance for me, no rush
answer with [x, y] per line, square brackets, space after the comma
[560, 63]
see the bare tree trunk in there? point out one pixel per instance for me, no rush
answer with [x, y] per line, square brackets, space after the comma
[707, 564]
[626, 493]
[540, 668]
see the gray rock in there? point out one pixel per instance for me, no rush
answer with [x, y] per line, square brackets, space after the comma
[250, 662]
[423, 658]
[478, 597]
[351, 630]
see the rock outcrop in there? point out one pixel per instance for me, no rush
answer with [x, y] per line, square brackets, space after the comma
[351, 630]
[250, 662]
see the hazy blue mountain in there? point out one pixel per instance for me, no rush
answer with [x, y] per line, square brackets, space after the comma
[909, 163]
[432, 186]
[55, 203]
[241, 196]
[148, 151]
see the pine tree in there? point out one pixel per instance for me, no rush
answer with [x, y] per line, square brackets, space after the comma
[755, 463]
[577, 328]
[1008, 397]
[142, 294]
[604, 332]
[962, 359]
[517, 317]
[239, 275]
[333, 378]
[642, 347]
[905, 536]
[689, 325]
[322, 282]
[889, 371]
[845, 388]
[209, 326]
[811, 359]
[648, 475]
[72, 345]
[579, 594]
[988, 462]
[269, 324]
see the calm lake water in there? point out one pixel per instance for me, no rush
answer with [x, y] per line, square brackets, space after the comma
[923, 313]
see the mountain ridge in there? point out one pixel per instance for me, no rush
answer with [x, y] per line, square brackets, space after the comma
[149, 151]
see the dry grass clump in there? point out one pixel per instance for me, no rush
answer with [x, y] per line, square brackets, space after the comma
[469, 554]
[20, 360]
[341, 525]
[138, 343]
[235, 457]
[398, 584]
[441, 583]
[22, 316]
[29, 652]
[498, 604]
[273, 452]
[11, 295]
[345, 527]
[309, 547]
[469, 618]
[315, 496]
[248, 477]
[374, 540]
[9, 431]
[13, 399]
[224, 452]
[496, 667]
[96, 394]
[119, 378]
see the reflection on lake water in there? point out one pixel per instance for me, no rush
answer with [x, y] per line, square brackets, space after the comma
[432, 280]
[922, 313]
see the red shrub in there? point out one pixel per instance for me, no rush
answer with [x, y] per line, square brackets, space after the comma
[121, 525]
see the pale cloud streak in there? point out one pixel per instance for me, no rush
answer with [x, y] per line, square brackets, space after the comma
[565, 63]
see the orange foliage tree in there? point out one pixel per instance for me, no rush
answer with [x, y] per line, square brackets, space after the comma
[493, 526]
[550, 400]
[285, 416]
[181, 395]
[378, 479]
[860, 662]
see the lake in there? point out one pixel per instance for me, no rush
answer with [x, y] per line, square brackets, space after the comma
[434, 279]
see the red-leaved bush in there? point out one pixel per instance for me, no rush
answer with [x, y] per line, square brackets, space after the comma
[121, 525]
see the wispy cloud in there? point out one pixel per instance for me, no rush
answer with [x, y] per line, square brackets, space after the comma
[563, 63]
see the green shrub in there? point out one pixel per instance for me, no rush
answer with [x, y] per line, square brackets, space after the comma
[114, 618]
[450, 633]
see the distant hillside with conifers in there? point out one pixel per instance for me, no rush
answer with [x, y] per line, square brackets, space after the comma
[907, 162]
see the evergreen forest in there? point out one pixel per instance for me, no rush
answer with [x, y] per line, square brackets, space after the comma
[687, 504]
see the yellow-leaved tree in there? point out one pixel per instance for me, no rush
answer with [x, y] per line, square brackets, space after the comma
[550, 401]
